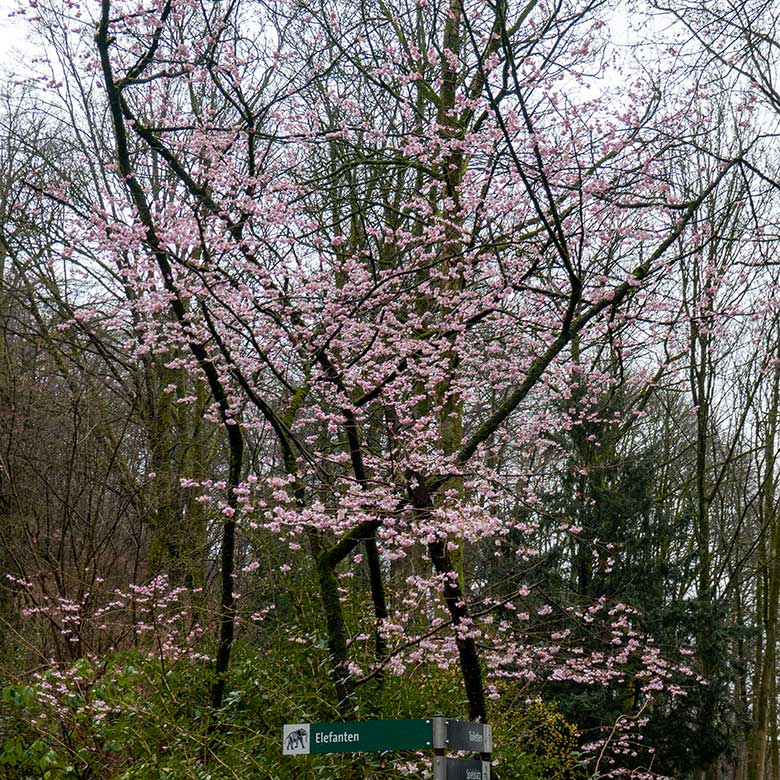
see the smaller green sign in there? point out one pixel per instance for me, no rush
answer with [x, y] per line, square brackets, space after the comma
[363, 736]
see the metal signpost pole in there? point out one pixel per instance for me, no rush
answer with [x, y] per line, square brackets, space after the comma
[439, 745]
[487, 752]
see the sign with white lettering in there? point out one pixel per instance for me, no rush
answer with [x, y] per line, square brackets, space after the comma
[460, 769]
[356, 737]
[464, 735]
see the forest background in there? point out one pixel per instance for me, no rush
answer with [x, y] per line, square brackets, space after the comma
[366, 359]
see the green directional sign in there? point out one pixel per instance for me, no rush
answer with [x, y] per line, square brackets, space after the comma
[356, 737]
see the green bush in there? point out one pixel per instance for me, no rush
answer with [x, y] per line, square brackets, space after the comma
[135, 717]
[533, 741]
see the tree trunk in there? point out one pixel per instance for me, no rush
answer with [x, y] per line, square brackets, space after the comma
[764, 708]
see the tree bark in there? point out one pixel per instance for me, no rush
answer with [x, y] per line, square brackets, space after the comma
[764, 713]
[455, 601]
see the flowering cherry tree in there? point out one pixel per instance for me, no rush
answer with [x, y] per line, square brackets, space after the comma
[384, 234]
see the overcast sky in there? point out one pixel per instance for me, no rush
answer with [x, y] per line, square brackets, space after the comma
[15, 49]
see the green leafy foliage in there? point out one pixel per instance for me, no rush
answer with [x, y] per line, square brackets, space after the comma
[132, 717]
[536, 741]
